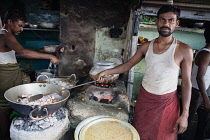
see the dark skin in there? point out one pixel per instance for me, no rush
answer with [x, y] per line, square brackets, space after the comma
[166, 24]
[202, 60]
[8, 42]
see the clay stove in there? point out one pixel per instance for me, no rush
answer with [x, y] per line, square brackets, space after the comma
[99, 99]
[52, 127]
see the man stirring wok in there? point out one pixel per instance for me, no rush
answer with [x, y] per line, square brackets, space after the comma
[156, 115]
[10, 74]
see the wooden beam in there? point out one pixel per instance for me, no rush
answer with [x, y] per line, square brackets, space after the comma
[180, 4]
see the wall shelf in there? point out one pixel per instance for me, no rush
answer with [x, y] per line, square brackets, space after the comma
[191, 14]
[185, 29]
[202, 6]
[40, 29]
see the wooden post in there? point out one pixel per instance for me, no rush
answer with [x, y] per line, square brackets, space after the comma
[135, 27]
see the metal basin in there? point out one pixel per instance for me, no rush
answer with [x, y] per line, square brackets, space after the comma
[48, 72]
[14, 93]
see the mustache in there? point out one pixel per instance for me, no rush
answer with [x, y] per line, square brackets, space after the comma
[165, 28]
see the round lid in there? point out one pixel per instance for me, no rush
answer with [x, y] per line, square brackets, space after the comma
[117, 61]
[104, 63]
[108, 129]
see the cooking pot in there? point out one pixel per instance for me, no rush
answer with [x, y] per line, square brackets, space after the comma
[49, 73]
[48, 25]
[101, 66]
[13, 94]
[198, 25]
[65, 82]
[50, 48]
[72, 79]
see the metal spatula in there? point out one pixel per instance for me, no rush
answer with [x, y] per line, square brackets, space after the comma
[39, 96]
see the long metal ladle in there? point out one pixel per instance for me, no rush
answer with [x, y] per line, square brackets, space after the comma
[39, 96]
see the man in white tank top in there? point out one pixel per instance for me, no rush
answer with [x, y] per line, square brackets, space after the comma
[10, 74]
[156, 115]
[200, 102]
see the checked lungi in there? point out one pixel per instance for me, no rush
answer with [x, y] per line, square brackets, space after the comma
[10, 76]
[155, 116]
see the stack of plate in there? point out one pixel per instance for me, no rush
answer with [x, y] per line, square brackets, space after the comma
[105, 128]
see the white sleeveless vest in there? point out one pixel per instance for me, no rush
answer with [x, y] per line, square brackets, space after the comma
[8, 57]
[206, 76]
[161, 75]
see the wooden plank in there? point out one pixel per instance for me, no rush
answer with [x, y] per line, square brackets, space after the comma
[185, 14]
[132, 51]
[184, 3]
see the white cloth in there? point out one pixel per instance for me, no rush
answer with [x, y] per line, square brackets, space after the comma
[8, 57]
[195, 71]
[161, 75]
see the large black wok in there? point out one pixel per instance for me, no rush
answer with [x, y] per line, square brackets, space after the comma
[12, 95]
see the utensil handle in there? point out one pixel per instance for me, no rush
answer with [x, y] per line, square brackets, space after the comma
[69, 88]
[38, 108]
[76, 86]
[50, 65]
[82, 84]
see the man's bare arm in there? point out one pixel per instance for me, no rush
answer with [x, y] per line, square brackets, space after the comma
[13, 44]
[186, 86]
[138, 56]
[202, 61]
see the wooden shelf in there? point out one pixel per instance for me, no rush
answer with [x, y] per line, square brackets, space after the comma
[185, 29]
[192, 14]
[39, 29]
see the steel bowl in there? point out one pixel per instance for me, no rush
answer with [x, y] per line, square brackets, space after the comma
[12, 95]
[48, 25]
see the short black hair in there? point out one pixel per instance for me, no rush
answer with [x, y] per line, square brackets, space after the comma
[207, 34]
[169, 8]
[14, 15]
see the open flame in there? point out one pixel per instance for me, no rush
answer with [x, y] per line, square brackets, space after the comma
[37, 117]
[105, 85]
[106, 98]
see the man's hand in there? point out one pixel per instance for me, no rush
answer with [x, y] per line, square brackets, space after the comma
[100, 76]
[181, 124]
[54, 60]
